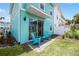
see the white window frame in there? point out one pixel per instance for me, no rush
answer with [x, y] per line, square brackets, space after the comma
[40, 6]
[50, 11]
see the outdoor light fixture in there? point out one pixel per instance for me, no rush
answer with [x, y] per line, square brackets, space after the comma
[24, 18]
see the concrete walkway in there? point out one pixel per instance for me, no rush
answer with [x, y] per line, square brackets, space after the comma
[43, 44]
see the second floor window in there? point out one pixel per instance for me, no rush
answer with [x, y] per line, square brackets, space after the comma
[50, 12]
[51, 28]
[42, 6]
[57, 17]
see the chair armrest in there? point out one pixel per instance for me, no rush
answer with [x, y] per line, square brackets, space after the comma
[39, 39]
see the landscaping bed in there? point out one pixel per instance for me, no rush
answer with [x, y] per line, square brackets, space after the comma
[7, 41]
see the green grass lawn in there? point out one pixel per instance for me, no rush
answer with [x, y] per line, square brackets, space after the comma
[57, 48]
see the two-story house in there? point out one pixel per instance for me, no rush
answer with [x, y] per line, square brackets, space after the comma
[31, 17]
[59, 21]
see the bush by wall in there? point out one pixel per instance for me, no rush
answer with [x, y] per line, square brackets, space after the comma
[72, 34]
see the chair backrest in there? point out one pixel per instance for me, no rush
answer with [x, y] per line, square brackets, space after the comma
[33, 36]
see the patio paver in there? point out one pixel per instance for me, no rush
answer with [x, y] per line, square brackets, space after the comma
[43, 44]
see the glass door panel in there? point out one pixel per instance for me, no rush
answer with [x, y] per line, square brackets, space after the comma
[32, 28]
[40, 28]
[36, 27]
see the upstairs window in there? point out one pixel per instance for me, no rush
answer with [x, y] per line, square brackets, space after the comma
[42, 6]
[51, 13]
[57, 17]
[51, 28]
[24, 5]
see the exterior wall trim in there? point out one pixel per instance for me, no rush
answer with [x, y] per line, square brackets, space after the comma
[19, 23]
[41, 11]
[23, 9]
[13, 15]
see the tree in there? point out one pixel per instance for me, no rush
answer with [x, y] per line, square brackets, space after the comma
[76, 18]
[2, 18]
[68, 21]
[75, 21]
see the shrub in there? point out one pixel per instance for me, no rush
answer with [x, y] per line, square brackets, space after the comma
[2, 38]
[76, 34]
[73, 27]
[10, 39]
[72, 34]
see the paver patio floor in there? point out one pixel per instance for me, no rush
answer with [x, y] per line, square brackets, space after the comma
[44, 44]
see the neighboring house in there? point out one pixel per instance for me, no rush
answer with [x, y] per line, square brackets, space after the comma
[4, 24]
[31, 17]
[59, 22]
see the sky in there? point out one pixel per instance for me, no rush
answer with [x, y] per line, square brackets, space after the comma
[4, 10]
[68, 9]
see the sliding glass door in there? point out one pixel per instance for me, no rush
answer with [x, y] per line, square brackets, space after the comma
[36, 27]
[40, 28]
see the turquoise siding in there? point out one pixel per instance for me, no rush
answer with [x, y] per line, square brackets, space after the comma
[47, 26]
[24, 25]
[35, 4]
[15, 27]
[48, 8]
[15, 9]
[14, 22]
